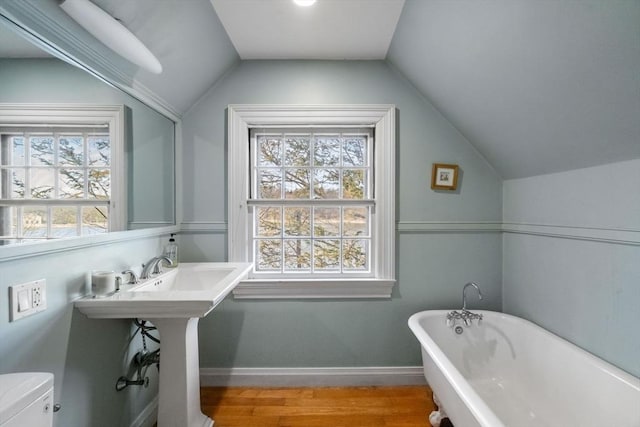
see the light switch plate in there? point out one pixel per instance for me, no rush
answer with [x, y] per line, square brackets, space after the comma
[27, 299]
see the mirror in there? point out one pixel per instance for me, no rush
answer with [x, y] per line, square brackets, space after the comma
[30, 76]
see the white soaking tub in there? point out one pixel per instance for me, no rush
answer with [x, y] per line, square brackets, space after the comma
[508, 372]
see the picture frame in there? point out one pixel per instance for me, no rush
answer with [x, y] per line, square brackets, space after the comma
[444, 176]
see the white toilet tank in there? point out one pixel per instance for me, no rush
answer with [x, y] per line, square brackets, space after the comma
[26, 399]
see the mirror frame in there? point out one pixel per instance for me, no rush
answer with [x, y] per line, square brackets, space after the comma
[25, 250]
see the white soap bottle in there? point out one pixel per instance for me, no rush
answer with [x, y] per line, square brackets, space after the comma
[171, 251]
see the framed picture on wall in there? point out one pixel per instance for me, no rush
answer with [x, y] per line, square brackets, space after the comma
[444, 177]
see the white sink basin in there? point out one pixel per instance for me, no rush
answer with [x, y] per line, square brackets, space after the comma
[190, 290]
[174, 302]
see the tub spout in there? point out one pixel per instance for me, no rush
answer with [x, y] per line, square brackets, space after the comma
[464, 297]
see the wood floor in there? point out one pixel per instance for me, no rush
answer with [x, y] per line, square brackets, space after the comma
[318, 407]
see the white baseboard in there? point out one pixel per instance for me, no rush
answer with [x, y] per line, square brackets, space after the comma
[149, 415]
[312, 377]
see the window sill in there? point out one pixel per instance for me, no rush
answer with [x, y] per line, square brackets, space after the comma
[314, 289]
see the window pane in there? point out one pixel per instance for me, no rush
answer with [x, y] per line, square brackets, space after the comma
[354, 151]
[41, 150]
[297, 183]
[42, 183]
[297, 221]
[34, 221]
[95, 220]
[269, 150]
[353, 184]
[296, 151]
[355, 254]
[99, 186]
[16, 183]
[326, 151]
[64, 221]
[70, 151]
[71, 184]
[269, 184]
[99, 151]
[14, 152]
[326, 222]
[8, 223]
[326, 184]
[269, 255]
[355, 222]
[297, 255]
[269, 222]
[326, 254]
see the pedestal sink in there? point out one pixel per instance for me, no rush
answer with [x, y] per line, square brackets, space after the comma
[174, 302]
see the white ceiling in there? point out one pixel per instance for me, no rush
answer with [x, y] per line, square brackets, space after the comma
[329, 29]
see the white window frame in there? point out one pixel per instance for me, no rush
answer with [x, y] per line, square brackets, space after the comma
[382, 117]
[87, 115]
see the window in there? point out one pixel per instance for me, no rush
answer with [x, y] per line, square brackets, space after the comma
[311, 200]
[59, 172]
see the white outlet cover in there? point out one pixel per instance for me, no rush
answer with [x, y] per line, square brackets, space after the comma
[37, 298]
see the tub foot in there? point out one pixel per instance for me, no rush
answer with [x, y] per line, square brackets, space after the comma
[439, 418]
[435, 418]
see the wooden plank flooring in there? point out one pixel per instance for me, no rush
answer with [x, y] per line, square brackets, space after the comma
[318, 407]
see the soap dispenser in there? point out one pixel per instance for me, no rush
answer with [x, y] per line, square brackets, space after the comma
[171, 251]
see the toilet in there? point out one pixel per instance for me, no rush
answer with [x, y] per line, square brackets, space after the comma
[26, 399]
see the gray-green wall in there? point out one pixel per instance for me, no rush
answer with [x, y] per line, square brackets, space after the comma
[432, 265]
[576, 269]
[85, 355]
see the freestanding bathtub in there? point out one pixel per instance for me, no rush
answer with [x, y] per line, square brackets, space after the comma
[508, 372]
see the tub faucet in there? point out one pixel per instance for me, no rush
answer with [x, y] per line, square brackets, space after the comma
[464, 297]
[154, 266]
[466, 316]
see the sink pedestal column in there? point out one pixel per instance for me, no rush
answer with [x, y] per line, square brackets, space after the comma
[179, 389]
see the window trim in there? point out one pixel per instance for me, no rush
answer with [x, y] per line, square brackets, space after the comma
[87, 115]
[241, 118]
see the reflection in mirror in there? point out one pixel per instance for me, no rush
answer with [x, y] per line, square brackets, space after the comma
[77, 156]
[61, 171]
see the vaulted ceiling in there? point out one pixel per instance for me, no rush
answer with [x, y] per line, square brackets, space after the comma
[536, 86]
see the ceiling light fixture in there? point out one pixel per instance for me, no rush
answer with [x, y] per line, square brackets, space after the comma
[112, 33]
[304, 3]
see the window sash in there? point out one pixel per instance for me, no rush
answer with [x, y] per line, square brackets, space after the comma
[312, 132]
[57, 167]
[364, 238]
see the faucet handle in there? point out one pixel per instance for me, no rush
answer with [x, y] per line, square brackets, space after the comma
[133, 277]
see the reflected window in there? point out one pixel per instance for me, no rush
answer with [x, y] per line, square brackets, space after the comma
[57, 180]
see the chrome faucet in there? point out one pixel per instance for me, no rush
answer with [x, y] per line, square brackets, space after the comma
[154, 266]
[464, 297]
[465, 315]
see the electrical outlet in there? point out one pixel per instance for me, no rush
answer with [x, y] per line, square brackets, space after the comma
[27, 299]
